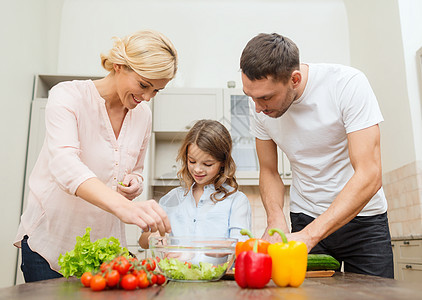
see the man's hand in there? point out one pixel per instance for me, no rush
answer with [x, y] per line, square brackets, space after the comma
[276, 238]
[130, 187]
[302, 236]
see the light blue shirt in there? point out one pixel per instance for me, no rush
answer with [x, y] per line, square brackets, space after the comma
[221, 219]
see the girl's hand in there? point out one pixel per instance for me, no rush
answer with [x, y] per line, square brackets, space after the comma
[130, 187]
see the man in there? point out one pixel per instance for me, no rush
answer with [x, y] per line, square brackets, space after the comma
[324, 117]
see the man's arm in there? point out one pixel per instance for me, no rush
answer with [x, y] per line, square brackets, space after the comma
[365, 157]
[271, 187]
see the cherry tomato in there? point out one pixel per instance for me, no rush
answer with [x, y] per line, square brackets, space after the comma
[86, 279]
[104, 267]
[143, 280]
[152, 279]
[161, 279]
[133, 260]
[98, 283]
[149, 264]
[189, 264]
[112, 278]
[129, 282]
[122, 265]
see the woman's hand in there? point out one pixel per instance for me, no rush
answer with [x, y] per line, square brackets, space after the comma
[148, 215]
[130, 187]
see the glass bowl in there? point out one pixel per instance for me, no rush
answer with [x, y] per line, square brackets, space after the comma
[195, 259]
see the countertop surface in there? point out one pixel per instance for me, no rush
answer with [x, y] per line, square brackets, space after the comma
[410, 237]
[340, 286]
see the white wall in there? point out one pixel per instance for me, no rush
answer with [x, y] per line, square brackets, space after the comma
[28, 31]
[411, 21]
[376, 47]
[209, 35]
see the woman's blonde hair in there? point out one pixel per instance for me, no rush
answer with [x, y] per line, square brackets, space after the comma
[213, 138]
[147, 52]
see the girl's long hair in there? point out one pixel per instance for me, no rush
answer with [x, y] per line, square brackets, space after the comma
[213, 138]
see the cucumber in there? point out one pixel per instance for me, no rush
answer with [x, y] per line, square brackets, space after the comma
[322, 262]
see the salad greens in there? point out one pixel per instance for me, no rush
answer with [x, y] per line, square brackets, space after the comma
[87, 256]
[179, 270]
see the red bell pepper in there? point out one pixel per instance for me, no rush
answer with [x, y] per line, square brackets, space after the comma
[249, 244]
[252, 269]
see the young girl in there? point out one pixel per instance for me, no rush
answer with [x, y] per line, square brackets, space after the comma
[208, 203]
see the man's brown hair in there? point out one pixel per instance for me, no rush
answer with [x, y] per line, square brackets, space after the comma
[270, 55]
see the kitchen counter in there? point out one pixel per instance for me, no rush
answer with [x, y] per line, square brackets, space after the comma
[340, 286]
[409, 237]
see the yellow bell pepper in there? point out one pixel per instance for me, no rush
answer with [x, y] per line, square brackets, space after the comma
[289, 261]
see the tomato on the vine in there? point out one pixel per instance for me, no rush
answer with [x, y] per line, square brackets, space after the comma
[122, 265]
[143, 281]
[98, 283]
[153, 278]
[149, 264]
[129, 282]
[105, 266]
[133, 260]
[112, 278]
[86, 279]
[161, 279]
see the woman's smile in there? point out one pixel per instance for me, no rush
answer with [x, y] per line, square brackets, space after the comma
[136, 99]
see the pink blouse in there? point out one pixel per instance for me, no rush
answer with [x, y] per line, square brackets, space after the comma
[79, 144]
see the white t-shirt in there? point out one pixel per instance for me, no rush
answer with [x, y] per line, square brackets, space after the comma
[313, 132]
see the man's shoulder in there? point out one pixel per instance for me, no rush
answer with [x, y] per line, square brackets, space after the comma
[334, 69]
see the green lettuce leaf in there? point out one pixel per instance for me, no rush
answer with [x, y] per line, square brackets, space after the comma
[176, 269]
[87, 256]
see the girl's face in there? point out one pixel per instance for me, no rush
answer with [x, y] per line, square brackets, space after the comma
[202, 166]
[132, 88]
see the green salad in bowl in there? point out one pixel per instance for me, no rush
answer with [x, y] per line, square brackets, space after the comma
[193, 258]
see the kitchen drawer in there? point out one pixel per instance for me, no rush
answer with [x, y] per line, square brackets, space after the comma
[410, 272]
[408, 251]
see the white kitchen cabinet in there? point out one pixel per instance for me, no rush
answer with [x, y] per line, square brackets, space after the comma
[237, 121]
[284, 168]
[408, 259]
[175, 111]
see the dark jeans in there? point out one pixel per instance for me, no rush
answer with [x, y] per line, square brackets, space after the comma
[364, 244]
[34, 266]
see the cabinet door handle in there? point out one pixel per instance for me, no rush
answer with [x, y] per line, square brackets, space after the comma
[406, 243]
[408, 266]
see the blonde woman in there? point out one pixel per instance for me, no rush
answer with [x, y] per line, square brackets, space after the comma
[97, 133]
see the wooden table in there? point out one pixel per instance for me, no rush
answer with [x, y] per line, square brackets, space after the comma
[340, 286]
